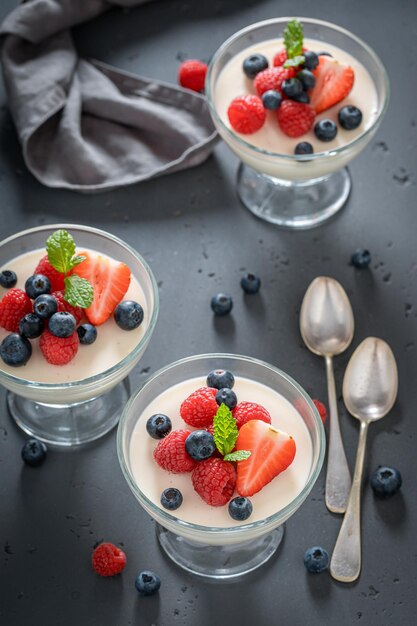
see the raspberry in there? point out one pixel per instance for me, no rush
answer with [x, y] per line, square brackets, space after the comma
[272, 78]
[246, 114]
[200, 407]
[192, 74]
[214, 480]
[321, 409]
[14, 305]
[171, 455]
[108, 560]
[246, 411]
[56, 278]
[295, 118]
[58, 350]
[63, 305]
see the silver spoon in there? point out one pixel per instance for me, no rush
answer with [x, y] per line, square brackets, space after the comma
[327, 325]
[369, 391]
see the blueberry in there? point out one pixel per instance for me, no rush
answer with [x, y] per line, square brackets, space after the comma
[325, 130]
[221, 304]
[302, 97]
[171, 498]
[36, 285]
[87, 333]
[386, 481]
[226, 396]
[200, 445]
[303, 148]
[31, 326]
[271, 99]
[62, 324]
[251, 283]
[34, 452]
[158, 425]
[240, 508]
[254, 64]
[311, 59]
[15, 350]
[147, 583]
[292, 87]
[349, 117]
[307, 78]
[45, 306]
[128, 315]
[220, 379]
[316, 559]
[8, 279]
[361, 259]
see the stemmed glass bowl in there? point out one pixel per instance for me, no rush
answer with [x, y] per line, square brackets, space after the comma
[82, 409]
[229, 551]
[295, 191]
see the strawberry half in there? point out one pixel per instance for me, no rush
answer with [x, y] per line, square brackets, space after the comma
[110, 280]
[334, 82]
[272, 451]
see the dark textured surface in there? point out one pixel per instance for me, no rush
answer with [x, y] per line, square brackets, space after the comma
[198, 240]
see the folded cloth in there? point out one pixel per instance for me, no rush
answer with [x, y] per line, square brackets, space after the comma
[84, 125]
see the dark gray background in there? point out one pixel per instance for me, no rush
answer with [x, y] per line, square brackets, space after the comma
[198, 239]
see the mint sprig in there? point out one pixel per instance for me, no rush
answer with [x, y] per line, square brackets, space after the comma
[293, 42]
[78, 291]
[225, 434]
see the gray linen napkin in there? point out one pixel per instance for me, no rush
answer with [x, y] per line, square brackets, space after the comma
[84, 125]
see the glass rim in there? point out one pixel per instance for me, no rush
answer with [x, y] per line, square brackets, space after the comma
[295, 157]
[108, 373]
[278, 517]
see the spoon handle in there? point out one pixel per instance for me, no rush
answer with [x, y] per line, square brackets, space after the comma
[338, 475]
[346, 560]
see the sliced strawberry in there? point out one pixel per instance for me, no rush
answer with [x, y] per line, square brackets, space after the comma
[110, 280]
[272, 451]
[334, 82]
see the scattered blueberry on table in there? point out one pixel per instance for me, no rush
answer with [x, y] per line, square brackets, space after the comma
[221, 304]
[34, 452]
[250, 283]
[386, 481]
[316, 560]
[147, 583]
[361, 259]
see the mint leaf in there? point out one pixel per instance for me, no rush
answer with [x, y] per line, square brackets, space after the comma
[78, 291]
[293, 39]
[298, 60]
[76, 260]
[225, 430]
[60, 247]
[238, 455]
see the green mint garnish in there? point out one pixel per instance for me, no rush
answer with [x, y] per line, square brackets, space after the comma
[238, 455]
[78, 291]
[225, 435]
[298, 60]
[293, 41]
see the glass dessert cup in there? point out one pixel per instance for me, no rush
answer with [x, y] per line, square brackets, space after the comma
[80, 411]
[295, 191]
[220, 553]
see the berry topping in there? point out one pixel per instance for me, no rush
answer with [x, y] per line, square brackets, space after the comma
[192, 74]
[302, 97]
[307, 78]
[110, 280]
[271, 99]
[15, 350]
[386, 481]
[200, 445]
[171, 455]
[62, 324]
[240, 508]
[128, 315]
[311, 59]
[361, 259]
[108, 560]
[87, 334]
[246, 411]
[246, 114]
[13, 306]
[214, 480]
[254, 64]
[58, 350]
[55, 278]
[158, 426]
[147, 583]
[325, 130]
[221, 304]
[334, 82]
[321, 408]
[31, 326]
[45, 306]
[350, 117]
[8, 279]
[303, 148]
[272, 78]
[200, 407]
[279, 58]
[63, 305]
[171, 498]
[295, 118]
[316, 560]
[34, 452]
[36, 285]
[272, 451]
[226, 396]
[250, 283]
[292, 87]
[220, 379]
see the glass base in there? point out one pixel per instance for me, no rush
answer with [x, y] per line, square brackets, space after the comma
[219, 562]
[69, 424]
[289, 204]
